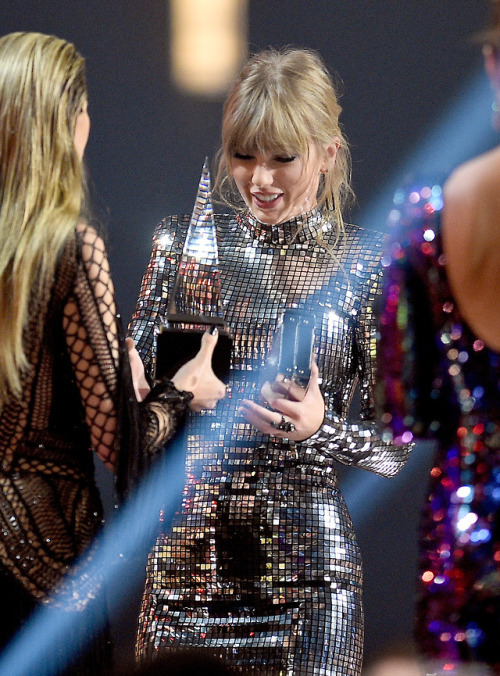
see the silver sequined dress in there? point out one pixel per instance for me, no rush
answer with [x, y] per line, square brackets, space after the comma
[261, 565]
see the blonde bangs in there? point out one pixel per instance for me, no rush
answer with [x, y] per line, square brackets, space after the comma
[282, 102]
[265, 130]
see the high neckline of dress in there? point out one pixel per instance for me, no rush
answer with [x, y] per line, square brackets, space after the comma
[297, 230]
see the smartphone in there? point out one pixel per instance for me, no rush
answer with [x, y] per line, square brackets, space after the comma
[296, 345]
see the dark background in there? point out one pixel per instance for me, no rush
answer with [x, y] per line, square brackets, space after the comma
[404, 63]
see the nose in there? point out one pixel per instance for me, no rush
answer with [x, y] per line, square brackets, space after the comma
[262, 176]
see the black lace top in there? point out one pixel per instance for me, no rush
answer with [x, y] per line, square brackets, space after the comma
[77, 396]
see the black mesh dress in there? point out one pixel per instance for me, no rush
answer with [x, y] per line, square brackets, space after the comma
[77, 396]
[261, 565]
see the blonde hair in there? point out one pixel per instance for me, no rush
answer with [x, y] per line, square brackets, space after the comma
[282, 101]
[42, 90]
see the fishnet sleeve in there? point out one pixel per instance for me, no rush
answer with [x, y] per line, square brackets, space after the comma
[97, 352]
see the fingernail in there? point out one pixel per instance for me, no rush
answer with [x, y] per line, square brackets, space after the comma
[214, 330]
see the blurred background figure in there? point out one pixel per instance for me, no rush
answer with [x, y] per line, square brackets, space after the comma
[406, 665]
[66, 387]
[440, 378]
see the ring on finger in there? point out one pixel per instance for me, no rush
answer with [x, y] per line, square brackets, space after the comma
[284, 425]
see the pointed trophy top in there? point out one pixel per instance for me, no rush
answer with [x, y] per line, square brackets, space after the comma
[203, 210]
[197, 285]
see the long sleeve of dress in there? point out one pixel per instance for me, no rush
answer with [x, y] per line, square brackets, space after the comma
[361, 443]
[100, 362]
[151, 307]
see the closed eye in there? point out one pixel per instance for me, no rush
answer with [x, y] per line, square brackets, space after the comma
[241, 156]
[285, 160]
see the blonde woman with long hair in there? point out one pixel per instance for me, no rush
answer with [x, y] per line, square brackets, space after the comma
[66, 387]
[261, 566]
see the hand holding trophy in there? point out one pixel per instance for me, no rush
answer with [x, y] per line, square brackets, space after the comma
[195, 303]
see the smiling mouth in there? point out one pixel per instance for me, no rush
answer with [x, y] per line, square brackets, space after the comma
[266, 199]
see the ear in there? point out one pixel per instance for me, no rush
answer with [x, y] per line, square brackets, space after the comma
[492, 66]
[330, 154]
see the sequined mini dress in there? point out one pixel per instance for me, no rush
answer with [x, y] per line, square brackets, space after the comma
[261, 565]
[439, 381]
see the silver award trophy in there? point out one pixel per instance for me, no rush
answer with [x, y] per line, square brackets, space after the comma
[195, 302]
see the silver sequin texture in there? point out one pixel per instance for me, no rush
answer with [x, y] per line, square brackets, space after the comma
[261, 565]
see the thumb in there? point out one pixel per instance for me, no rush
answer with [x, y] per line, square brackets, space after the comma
[208, 343]
[314, 370]
[313, 384]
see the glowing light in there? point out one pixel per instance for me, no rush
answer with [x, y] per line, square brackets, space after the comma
[394, 215]
[330, 519]
[482, 535]
[166, 241]
[465, 493]
[467, 521]
[334, 322]
[208, 43]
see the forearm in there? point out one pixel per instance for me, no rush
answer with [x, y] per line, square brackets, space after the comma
[161, 414]
[358, 444]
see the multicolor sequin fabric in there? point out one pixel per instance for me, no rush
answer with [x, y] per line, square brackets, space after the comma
[261, 565]
[438, 380]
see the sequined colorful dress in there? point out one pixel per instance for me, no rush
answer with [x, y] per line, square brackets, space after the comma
[78, 380]
[261, 565]
[438, 380]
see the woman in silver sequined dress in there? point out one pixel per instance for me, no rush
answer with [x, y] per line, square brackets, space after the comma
[261, 565]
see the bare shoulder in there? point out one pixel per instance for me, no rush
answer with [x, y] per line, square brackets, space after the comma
[472, 205]
[474, 180]
[471, 242]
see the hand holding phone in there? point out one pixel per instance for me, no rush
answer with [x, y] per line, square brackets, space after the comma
[289, 365]
[295, 349]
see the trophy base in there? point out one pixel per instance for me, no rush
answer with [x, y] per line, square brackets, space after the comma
[176, 346]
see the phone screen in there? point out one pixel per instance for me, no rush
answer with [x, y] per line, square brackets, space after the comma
[296, 346]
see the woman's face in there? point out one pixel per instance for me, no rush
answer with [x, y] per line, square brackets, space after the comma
[82, 130]
[277, 188]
